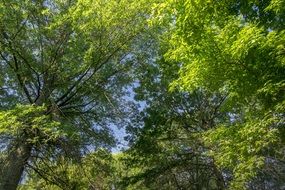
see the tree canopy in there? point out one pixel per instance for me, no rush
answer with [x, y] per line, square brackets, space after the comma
[199, 86]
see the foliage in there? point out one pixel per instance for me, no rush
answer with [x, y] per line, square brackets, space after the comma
[71, 61]
[168, 152]
[31, 119]
[209, 77]
[241, 147]
[95, 171]
[234, 48]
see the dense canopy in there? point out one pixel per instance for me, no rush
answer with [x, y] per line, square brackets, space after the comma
[196, 88]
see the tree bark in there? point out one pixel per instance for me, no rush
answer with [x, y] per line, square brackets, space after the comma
[14, 165]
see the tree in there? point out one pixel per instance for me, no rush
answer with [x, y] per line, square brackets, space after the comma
[96, 170]
[234, 48]
[167, 151]
[64, 66]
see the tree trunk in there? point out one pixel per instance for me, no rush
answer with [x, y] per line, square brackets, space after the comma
[220, 178]
[14, 165]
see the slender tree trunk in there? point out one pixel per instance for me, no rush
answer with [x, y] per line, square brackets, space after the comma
[14, 166]
[220, 178]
